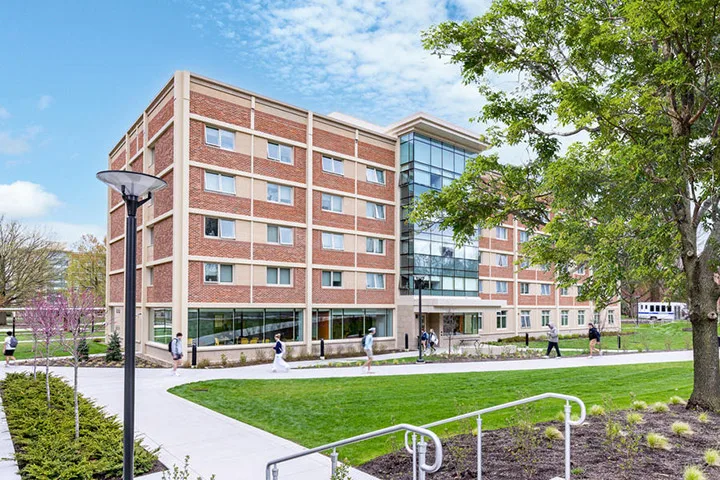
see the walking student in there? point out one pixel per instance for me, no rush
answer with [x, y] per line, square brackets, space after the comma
[367, 346]
[11, 344]
[433, 339]
[552, 341]
[424, 340]
[176, 349]
[594, 336]
[279, 364]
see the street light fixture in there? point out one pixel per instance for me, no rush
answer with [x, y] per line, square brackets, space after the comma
[419, 283]
[133, 186]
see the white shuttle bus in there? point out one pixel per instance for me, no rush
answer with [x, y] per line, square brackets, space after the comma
[662, 311]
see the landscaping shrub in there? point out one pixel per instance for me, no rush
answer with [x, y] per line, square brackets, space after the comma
[693, 473]
[552, 433]
[712, 457]
[681, 428]
[633, 418]
[675, 400]
[113, 353]
[639, 405]
[597, 410]
[44, 438]
[659, 407]
[703, 418]
[655, 440]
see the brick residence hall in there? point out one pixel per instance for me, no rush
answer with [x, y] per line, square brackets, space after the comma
[278, 219]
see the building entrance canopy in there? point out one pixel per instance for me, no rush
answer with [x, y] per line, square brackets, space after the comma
[438, 304]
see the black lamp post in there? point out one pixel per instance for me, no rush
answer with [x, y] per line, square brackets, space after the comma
[419, 282]
[132, 186]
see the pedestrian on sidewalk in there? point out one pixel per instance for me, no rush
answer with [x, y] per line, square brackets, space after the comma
[279, 364]
[594, 335]
[433, 340]
[10, 346]
[176, 349]
[423, 339]
[552, 340]
[367, 346]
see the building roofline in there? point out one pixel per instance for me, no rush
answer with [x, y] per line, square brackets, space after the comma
[424, 122]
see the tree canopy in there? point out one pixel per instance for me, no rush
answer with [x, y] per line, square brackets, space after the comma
[619, 105]
[86, 270]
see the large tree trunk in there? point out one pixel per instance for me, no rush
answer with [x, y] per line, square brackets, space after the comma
[3, 318]
[703, 315]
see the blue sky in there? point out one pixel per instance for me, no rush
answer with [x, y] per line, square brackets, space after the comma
[76, 74]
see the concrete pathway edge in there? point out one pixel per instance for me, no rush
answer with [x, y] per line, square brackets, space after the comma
[8, 465]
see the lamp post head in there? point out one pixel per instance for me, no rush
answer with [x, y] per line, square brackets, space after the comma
[131, 184]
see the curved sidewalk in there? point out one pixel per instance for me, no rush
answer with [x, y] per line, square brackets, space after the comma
[233, 450]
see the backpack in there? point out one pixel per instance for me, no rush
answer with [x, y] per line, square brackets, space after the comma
[170, 345]
[363, 341]
[13, 342]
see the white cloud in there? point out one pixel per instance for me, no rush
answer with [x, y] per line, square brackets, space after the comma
[70, 233]
[44, 102]
[4, 114]
[17, 144]
[26, 200]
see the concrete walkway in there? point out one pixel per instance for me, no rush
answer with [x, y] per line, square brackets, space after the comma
[233, 450]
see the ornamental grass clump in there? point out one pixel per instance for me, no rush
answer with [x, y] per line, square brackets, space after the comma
[597, 410]
[552, 433]
[675, 400]
[712, 457]
[693, 473]
[659, 407]
[655, 440]
[703, 418]
[639, 405]
[634, 418]
[681, 428]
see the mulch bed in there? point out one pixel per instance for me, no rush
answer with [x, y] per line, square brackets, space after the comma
[592, 455]
[93, 362]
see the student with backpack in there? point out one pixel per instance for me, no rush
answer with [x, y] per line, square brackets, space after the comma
[176, 349]
[594, 336]
[367, 346]
[552, 341]
[11, 344]
[433, 340]
[279, 363]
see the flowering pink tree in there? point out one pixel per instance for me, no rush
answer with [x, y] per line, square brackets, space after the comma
[45, 319]
[79, 313]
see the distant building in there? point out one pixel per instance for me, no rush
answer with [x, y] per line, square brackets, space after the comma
[60, 260]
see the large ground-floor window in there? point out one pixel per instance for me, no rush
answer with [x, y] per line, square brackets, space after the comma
[228, 326]
[161, 325]
[339, 323]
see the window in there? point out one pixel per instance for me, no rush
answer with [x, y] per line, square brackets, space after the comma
[151, 156]
[332, 203]
[524, 318]
[219, 138]
[216, 182]
[331, 279]
[281, 153]
[375, 245]
[279, 193]
[581, 270]
[333, 241]
[375, 211]
[581, 317]
[611, 317]
[524, 236]
[564, 317]
[596, 317]
[375, 280]
[525, 263]
[564, 291]
[544, 267]
[151, 236]
[332, 165]
[501, 233]
[544, 289]
[501, 319]
[579, 290]
[501, 287]
[480, 321]
[280, 235]
[501, 260]
[216, 227]
[480, 286]
[150, 276]
[524, 289]
[278, 276]
[215, 273]
[375, 175]
[545, 317]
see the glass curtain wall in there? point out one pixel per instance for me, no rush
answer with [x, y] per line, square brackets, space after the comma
[430, 164]
[339, 323]
[161, 327]
[218, 326]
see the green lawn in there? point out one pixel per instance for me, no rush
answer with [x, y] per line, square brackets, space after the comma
[24, 350]
[317, 411]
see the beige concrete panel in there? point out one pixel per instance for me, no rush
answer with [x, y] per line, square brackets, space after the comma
[242, 274]
[280, 111]
[349, 242]
[242, 231]
[235, 98]
[242, 186]
[260, 190]
[348, 280]
[361, 172]
[159, 106]
[361, 208]
[260, 275]
[243, 143]
[337, 129]
[260, 233]
[361, 281]
[377, 141]
[260, 147]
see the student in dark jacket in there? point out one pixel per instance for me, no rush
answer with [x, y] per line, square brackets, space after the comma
[594, 336]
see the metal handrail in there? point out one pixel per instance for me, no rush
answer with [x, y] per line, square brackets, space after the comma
[479, 413]
[271, 467]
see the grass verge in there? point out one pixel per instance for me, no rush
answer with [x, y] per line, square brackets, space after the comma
[316, 411]
[24, 351]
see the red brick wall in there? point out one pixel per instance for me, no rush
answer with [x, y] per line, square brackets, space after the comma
[137, 164]
[117, 255]
[547, 299]
[376, 154]
[199, 291]
[484, 270]
[201, 152]
[119, 161]
[369, 260]
[275, 169]
[385, 192]
[161, 289]
[214, 247]
[330, 219]
[279, 126]
[386, 226]
[163, 239]
[138, 247]
[117, 223]
[280, 211]
[162, 117]
[331, 295]
[220, 202]
[138, 284]
[117, 286]
[330, 257]
[164, 148]
[141, 138]
[133, 146]
[163, 201]
[331, 180]
[508, 297]
[379, 296]
[219, 109]
[294, 294]
[334, 142]
[115, 198]
[501, 272]
[283, 253]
